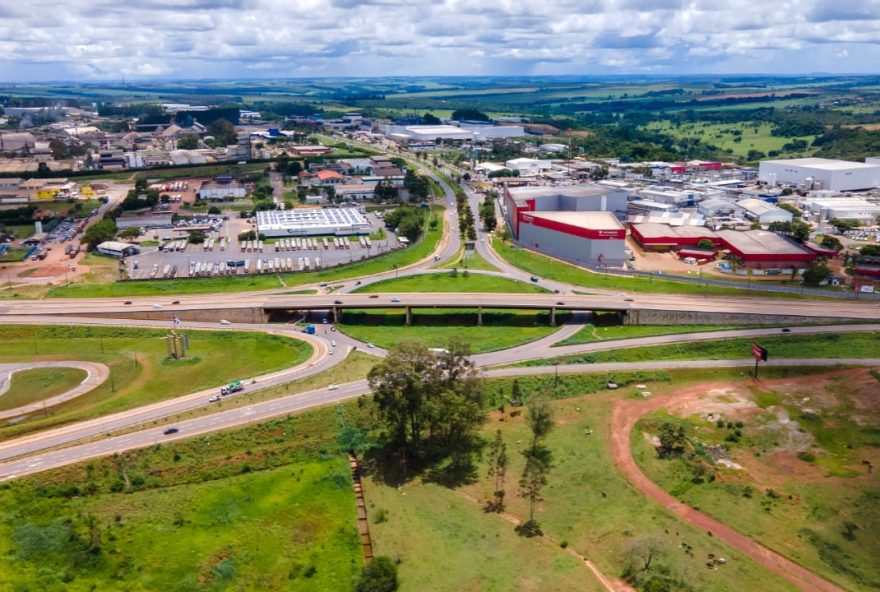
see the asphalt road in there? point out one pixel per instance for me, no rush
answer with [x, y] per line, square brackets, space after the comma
[299, 402]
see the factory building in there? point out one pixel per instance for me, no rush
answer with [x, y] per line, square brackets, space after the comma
[577, 223]
[821, 173]
[464, 133]
[662, 237]
[845, 208]
[312, 222]
[762, 212]
[589, 238]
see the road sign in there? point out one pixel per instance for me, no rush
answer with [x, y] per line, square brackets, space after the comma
[760, 354]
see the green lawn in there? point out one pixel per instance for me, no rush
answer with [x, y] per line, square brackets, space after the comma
[812, 497]
[291, 528]
[599, 332]
[553, 269]
[474, 261]
[400, 258]
[28, 386]
[822, 345]
[500, 330]
[444, 282]
[140, 372]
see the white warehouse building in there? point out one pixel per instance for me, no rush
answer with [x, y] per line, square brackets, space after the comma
[763, 212]
[312, 222]
[845, 208]
[821, 173]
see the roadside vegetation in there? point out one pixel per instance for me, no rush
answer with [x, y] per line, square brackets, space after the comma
[455, 281]
[140, 371]
[820, 345]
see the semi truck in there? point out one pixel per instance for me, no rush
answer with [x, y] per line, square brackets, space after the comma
[232, 387]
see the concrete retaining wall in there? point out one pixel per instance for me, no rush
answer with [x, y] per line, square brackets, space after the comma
[671, 317]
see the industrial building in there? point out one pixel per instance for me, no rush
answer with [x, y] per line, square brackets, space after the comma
[155, 220]
[762, 212]
[757, 249]
[821, 173]
[574, 198]
[465, 133]
[312, 222]
[844, 208]
[117, 249]
[217, 191]
[576, 223]
[589, 238]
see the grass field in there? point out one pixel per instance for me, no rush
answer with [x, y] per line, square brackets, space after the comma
[289, 528]
[754, 136]
[444, 282]
[823, 345]
[589, 507]
[400, 258]
[28, 386]
[570, 274]
[140, 372]
[802, 482]
[475, 261]
[601, 332]
[500, 330]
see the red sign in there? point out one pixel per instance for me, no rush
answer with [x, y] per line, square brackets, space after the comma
[758, 352]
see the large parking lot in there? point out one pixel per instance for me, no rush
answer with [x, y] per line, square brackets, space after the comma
[222, 253]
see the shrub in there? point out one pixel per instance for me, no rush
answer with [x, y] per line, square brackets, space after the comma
[380, 575]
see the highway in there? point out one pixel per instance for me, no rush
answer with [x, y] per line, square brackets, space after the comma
[300, 402]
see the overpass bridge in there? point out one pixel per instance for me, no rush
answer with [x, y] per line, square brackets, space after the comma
[633, 309]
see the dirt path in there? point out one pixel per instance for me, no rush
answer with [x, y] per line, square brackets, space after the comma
[623, 418]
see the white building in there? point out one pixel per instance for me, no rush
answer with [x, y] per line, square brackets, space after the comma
[355, 191]
[529, 167]
[844, 208]
[220, 191]
[763, 212]
[464, 133]
[117, 249]
[312, 222]
[821, 173]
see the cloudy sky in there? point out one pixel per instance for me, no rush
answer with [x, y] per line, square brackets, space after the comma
[109, 39]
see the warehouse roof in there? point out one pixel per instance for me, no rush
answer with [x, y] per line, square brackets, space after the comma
[825, 164]
[758, 207]
[589, 220]
[757, 242]
[654, 230]
[523, 193]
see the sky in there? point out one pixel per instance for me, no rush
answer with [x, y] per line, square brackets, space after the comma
[165, 39]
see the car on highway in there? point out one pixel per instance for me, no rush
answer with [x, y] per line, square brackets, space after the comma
[332, 387]
[357, 283]
[170, 431]
[224, 322]
[337, 302]
[370, 345]
[374, 295]
[627, 299]
[127, 302]
[176, 302]
[214, 399]
[322, 285]
[395, 299]
[157, 306]
[534, 278]
[332, 328]
[786, 330]
[560, 303]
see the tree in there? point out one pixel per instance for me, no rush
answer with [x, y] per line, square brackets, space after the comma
[816, 272]
[469, 115]
[430, 404]
[534, 475]
[755, 155]
[790, 208]
[223, 132]
[59, 149]
[214, 210]
[197, 237]
[130, 233]
[706, 244]
[497, 470]
[188, 142]
[430, 119]
[379, 575]
[831, 242]
[98, 233]
[672, 440]
[385, 191]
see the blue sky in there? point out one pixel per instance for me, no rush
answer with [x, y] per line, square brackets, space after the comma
[110, 39]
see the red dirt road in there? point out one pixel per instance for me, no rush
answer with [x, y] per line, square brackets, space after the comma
[623, 418]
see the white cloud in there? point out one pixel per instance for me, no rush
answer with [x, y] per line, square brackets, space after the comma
[208, 38]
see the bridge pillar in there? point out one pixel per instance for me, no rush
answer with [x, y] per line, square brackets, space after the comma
[408, 316]
[337, 313]
[553, 316]
[480, 316]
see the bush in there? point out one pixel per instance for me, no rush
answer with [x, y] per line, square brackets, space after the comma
[380, 575]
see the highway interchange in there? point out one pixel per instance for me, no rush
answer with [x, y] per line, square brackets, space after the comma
[60, 446]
